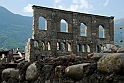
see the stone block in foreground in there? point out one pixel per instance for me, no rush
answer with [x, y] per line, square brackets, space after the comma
[75, 71]
[110, 63]
[32, 72]
[6, 73]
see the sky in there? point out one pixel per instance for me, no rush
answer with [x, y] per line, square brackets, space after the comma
[98, 7]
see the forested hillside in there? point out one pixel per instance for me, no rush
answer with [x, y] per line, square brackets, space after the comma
[14, 29]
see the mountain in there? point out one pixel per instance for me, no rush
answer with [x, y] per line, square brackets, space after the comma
[16, 29]
[119, 22]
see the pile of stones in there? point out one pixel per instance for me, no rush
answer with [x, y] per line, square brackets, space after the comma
[94, 68]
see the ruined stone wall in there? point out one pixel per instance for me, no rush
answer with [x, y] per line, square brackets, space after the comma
[54, 42]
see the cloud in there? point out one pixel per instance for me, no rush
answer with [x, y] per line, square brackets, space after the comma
[77, 5]
[57, 1]
[62, 7]
[106, 3]
[84, 4]
[28, 8]
[75, 1]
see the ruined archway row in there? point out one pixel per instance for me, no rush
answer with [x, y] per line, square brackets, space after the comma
[54, 21]
[62, 29]
[65, 46]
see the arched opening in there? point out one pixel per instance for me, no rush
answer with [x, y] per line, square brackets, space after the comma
[69, 47]
[58, 46]
[83, 48]
[63, 46]
[42, 45]
[78, 48]
[98, 49]
[35, 45]
[42, 23]
[101, 32]
[63, 26]
[48, 46]
[88, 48]
[83, 30]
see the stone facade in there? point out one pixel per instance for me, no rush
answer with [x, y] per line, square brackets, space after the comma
[52, 41]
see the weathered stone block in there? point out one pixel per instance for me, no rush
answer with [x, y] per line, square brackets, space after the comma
[6, 73]
[113, 62]
[32, 72]
[15, 74]
[75, 71]
[4, 82]
[97, 56]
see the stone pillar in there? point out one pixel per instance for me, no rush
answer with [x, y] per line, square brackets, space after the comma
[111, 25]
[107, 33]
[76, 29]
[35, 25]
[29, 50]
[89, 29]
[70, 27]
[49, 24]
[66, 46]
[53, 46]
[94, 32]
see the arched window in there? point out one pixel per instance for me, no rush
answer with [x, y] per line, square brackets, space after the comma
[63, 46]
[63, 26]
[69, 47]
[83, 48]
[48, 46]
[101, 32]
[98, 49]
[88, 48]
[83, 30]
[58, 46]
[42, 23]
[78, 48]
[35, 45]
[42, 45]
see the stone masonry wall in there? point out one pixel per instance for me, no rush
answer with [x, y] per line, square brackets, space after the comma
[54, 42]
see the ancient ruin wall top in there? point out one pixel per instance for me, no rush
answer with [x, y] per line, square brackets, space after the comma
[41, 7]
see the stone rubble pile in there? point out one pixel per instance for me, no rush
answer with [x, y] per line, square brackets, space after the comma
[110, 48]
[94, 68]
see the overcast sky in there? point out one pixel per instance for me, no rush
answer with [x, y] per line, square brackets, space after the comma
[99, 7]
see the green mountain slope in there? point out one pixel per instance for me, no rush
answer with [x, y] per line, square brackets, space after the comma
[14, 29]
[9, 43]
